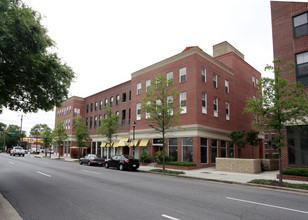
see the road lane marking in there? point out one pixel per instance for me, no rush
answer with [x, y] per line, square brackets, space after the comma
[43, 173]
[90, 172]
[11, 163]
[263, 204]
[167, 216]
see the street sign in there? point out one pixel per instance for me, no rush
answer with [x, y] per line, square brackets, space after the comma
[11, 132]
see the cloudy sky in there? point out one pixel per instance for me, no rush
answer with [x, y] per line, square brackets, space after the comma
[105, 41]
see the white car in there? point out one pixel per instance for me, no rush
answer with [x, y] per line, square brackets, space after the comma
[17, 151]
[34, 151]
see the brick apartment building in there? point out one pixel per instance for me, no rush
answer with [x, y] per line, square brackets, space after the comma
[214, 89]
[290, 41]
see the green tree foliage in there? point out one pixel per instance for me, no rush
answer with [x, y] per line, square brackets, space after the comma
[31, 77]
[12, 140]
[46, 135]
[37, 129]
[159, 105]
[280, 103]
[81, 133]
[238, 138]
[59, 134]
[109, 125]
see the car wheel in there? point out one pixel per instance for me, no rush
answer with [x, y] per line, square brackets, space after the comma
[80, 162]
[89, 163]
[106, 165]
[121, 167]
[23, 155]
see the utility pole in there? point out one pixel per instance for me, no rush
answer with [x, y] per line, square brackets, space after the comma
[21, 135]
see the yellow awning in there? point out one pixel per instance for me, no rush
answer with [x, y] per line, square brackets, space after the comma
[103, 144]
[116, 144]
[122, 141]
[144, 143]
[136, 143]
[109, 145]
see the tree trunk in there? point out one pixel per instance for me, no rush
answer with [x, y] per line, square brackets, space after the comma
[163, 152]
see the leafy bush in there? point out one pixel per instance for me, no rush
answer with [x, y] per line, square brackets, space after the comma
[167, 171]
[276, 183]
[159, 157]
[180, 163]
[145, 158]
[295, 171]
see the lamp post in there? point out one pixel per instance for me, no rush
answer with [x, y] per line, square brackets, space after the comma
[134, 126]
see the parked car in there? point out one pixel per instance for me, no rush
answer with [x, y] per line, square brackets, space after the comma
[17, 151]
[92, 159]
[122, 162]
[8, 150]
[34, 151]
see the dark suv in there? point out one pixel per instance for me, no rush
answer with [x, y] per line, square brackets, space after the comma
[122, 162]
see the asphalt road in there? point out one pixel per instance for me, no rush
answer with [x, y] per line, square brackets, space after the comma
[41, 188]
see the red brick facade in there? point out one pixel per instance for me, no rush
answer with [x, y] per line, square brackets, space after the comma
[287, 45]
[227, 63]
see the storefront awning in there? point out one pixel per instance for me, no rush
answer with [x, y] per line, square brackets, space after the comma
[123, 141]
[103, 144]
[144, 142]
[136, 143]
[116, 144]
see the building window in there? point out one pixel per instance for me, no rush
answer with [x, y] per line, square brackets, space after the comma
[215, 107]
[170, 104]
[138, 88]
[183, 102]
[214, 150]
[111, 101]
[215, 80]
[99, 120]
[69, 123]
[204, 150]
[231, 151]
[118, 115]
[148, 84]
[257, 82]
[91, 107]
[203, 74]
[86, 121]
[138, 111]
[227, 86]
[87, 108]
[96, 105]
[223, 148]
[204, 103]
[117, 99]
[100, 104]
[253, 81]
[170, 78]
[90, 122]
[297, 137]
[106, 102]
[124, 97]
[183, 74]
[300, 25]
[95, 121]
[227, 111]
[123, 116]
[147, 113]
[187, 144]
[302, 68]
[173, 148]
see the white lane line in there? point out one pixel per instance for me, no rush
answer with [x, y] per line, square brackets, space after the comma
[167, 216]
[11, 163]
[90, 172]
[43, 173]
[263, 204]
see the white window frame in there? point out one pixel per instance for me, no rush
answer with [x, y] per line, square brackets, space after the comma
[138, 111]
[183, 98]
[147, 114]
[203, 73]
[215, 101]
[138, 88]
[182, 72]
[227, 111]
[170, 77]
[147, 84]
[170, 103]
[204, 100]
[227, 86]
[253, 81]
[215, 80]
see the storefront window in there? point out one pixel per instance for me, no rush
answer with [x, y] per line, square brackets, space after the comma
[187, 149]
[214, 150]
[204, 150]
[223, 148]
[298, 145]
[173, 149]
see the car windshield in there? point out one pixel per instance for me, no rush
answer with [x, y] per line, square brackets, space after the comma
[128, 157]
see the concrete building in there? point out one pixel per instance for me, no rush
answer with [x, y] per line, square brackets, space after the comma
[290, 41]
[213, 89]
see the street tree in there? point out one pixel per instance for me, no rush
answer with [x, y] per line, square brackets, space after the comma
[37, 129]
[109, 125]
[158, 104]
[12, 137]
[280, 103]
[46, 135]
[81, 133]
[59, 134]
[32, 77]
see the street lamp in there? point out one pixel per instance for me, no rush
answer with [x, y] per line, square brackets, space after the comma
[134, 126]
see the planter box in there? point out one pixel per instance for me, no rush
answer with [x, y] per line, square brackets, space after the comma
[238, 165]
[291, 177]
[176, 167]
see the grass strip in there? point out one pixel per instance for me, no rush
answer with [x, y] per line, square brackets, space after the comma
[167, 171]
[276, 183]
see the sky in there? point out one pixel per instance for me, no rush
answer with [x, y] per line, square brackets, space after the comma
[105, 41]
